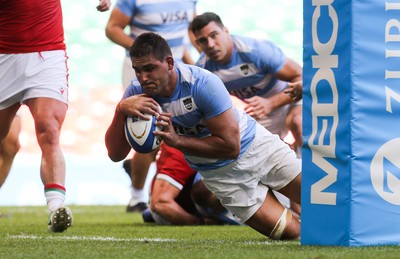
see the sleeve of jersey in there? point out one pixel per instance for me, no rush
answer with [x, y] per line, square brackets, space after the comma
[126, 7]
[271, 56]
[211, 96]
[133, 89]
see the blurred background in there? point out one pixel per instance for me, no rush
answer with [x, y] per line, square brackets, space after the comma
[95, 67]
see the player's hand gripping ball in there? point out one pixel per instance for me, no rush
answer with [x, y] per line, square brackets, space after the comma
[139, 133]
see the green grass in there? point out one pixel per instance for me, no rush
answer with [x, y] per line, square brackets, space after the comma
[110, 232]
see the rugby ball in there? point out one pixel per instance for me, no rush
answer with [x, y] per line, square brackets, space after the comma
[139, 133]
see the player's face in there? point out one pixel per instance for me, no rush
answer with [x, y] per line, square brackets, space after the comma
[151, 73]
[215, 42]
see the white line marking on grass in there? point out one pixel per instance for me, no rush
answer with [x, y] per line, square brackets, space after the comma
[93, 238]
[266, 242]
[271, 242]
[144, 240]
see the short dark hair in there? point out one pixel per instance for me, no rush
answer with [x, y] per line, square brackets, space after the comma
[200, 21]
[150, 43]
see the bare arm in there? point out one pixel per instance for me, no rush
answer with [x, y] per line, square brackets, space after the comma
[115, 29]
[290, 72]
[163, 203]
[224, 141]
[259, 107]
[116, 143]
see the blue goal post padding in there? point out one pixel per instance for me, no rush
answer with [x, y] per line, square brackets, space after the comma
[351, 123]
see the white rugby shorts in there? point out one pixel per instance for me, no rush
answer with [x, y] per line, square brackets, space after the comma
[32, 75]
[243, 185]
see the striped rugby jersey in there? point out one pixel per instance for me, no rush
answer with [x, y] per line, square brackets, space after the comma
[251, 69]
[199, 95]
[169, 18]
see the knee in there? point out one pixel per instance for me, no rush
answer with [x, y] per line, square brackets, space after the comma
[47, 131]
[14, 146]
[10, 146]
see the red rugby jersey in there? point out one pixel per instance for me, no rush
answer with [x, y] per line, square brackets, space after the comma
[31, 26]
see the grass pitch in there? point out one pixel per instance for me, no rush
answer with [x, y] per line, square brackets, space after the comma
[110, 232]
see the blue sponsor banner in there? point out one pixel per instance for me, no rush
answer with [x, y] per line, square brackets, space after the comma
[351, 121]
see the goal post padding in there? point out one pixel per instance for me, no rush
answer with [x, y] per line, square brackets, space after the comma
[351, 123]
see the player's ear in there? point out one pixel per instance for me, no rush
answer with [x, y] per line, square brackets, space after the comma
[170, 61]
[226, 29]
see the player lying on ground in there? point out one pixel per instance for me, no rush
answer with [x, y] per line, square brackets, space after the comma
[240, 161]
[179, 197]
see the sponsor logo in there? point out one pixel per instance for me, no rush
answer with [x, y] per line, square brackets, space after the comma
[325, 115]
[385, 171]
[189, 131]
[392, 53]
[245, 92]
[175, 17]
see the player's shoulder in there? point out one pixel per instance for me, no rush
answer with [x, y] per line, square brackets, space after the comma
[242, 43]
[133, 89]
[191, 73]
[126, 6]
[251, 44]
[196, 78]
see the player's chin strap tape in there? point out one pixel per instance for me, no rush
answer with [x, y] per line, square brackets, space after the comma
[280, 226]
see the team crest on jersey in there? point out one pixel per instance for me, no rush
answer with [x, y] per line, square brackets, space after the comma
[245, 69]
[188, 103]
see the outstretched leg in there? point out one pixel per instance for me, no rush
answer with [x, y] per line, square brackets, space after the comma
[274, 221]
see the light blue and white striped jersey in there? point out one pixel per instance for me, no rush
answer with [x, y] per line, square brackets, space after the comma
[169, 18]
[251, 69]
[199, 95]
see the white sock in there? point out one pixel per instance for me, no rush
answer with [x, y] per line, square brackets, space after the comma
[55, 196]
[138, 195]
